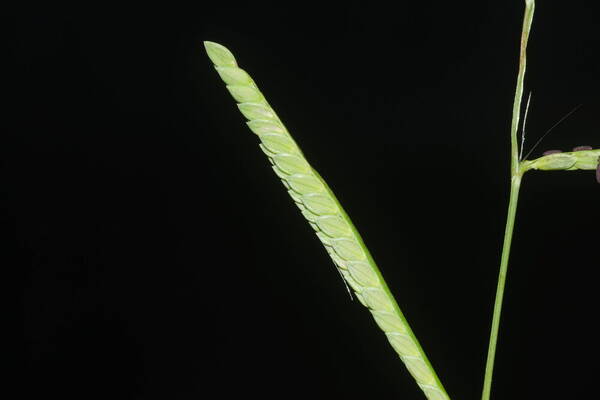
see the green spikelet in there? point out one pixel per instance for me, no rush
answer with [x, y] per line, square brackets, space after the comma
[324, 213]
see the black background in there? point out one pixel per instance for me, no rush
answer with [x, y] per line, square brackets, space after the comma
[162, 258]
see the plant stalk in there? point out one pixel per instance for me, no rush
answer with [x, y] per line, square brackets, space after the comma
[508, 234]
[516, 173]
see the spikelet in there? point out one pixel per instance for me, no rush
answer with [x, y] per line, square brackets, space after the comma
[321, 209]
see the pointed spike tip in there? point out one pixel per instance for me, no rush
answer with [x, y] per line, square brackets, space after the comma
[219, 54]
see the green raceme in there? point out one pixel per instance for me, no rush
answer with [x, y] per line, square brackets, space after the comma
[325, 215]
[571, 161]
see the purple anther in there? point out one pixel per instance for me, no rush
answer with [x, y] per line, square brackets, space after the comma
[548, 152]
[582, 148]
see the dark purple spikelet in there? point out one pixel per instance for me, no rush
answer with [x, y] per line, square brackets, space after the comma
[548, 152]
[582, 148]
[598, 172]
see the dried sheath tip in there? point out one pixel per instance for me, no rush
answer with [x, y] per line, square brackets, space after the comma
[548, 152]
[582, 148]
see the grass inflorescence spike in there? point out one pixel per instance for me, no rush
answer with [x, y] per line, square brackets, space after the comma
[325, 215]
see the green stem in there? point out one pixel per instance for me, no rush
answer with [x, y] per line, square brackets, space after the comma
[508, 233]
[516, 175]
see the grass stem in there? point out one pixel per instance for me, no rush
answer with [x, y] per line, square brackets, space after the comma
[508, 234]
[515, 185]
